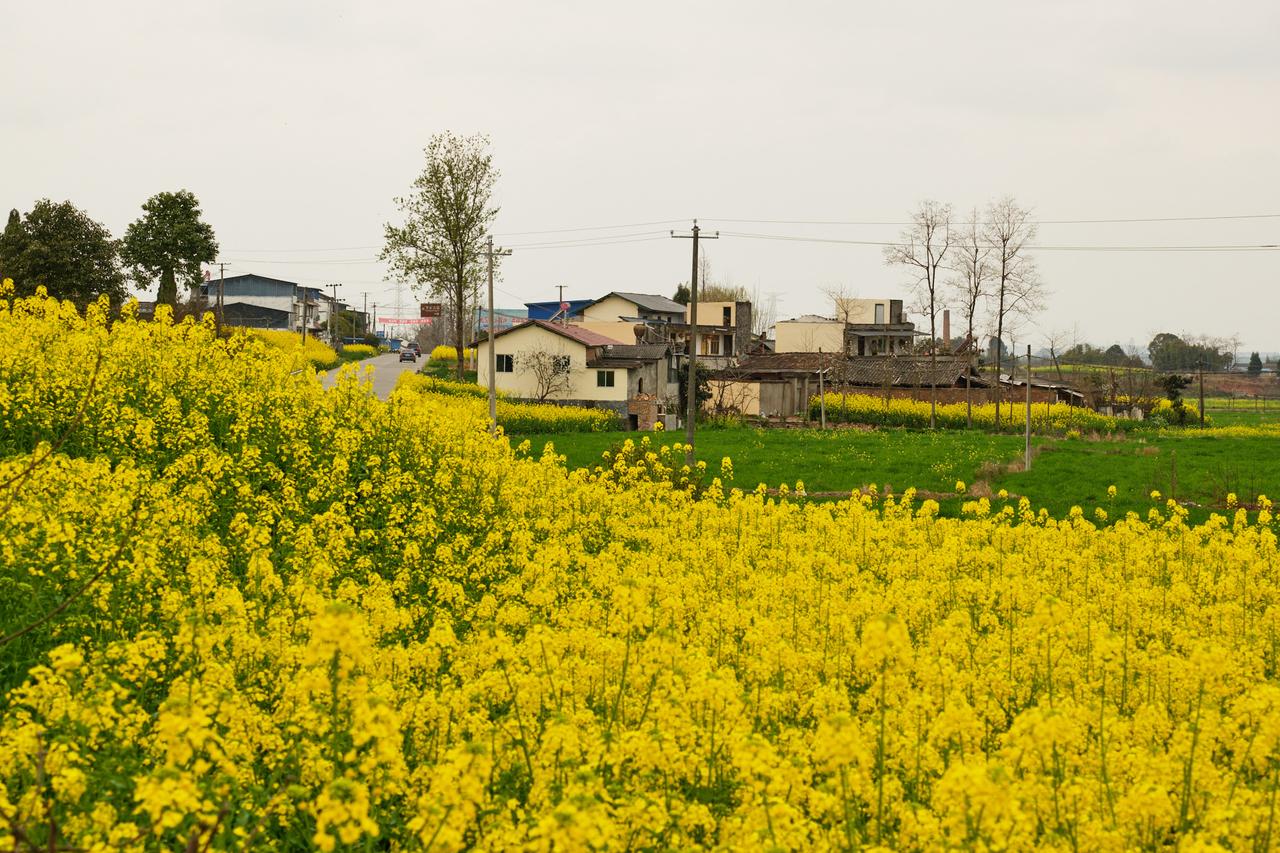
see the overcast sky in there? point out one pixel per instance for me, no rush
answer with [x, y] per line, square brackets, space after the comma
[297, 123]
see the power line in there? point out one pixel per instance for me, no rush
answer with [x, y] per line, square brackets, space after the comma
[1114, 221]
[590, 228]
[1258, 247]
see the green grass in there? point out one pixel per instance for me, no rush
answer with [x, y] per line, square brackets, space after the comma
[1247, 412]
[1065, 472]
[835, 461]
[1200, 469]
[446, 370]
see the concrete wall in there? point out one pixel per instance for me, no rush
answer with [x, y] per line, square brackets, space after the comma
[734, 395]
[864, 310]
[522, 382]
[610, 309]
[793, 336]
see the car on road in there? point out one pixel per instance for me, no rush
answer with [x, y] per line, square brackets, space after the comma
[417, 350]
[407, 354]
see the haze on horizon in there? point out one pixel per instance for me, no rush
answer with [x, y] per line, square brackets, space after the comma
[296, 124]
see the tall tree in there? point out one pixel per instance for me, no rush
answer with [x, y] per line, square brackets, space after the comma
[843, 300]
[57, 245]
[169, 243]
[681, 294]
[971, 265]
[448, 212]
[1255, 364]
[922, 248]
[1017, 288]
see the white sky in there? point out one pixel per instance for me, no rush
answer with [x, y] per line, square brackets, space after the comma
[297, 123]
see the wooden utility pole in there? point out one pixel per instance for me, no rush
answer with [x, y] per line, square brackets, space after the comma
[822, 392]
[1200, 366]
[334, 340]
[304, 316]
[364, 314]
[222, 280]
[493, 358]
[692, 346]
[1026, 465]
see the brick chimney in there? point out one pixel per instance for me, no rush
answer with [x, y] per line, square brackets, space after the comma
[946, 328]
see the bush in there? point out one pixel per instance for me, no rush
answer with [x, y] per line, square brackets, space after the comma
[449, 354]
[316, 353]
[358, 351]
[514, 416]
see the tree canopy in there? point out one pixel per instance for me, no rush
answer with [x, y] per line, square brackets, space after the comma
[449, 210]
[169, 243]
[1255, 364]
[59, 246]
[1170, 352]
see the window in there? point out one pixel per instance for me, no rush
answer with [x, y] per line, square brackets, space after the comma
[728, 344]
[604, 378]
[506, 363]
[879, 312]
[673, 372]
[640, 385]
[728, 316]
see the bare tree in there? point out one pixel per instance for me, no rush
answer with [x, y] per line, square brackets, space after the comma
[843, 300]
[1018, 290]
[764, 313]
[446, 216]
[972, 274]
[922, 249]
[550, 372]
[1057, 340]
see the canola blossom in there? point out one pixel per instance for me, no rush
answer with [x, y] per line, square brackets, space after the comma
[514, 416]
[243, 612]
[1057, 418]
[450, 354]
[313, 352]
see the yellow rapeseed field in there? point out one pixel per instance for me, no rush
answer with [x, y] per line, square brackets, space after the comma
[240, 612]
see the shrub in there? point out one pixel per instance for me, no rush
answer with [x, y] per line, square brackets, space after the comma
[450, 354]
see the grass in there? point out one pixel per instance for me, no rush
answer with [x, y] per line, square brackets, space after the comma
[834, 461]
[445, 370]
[1064, 472]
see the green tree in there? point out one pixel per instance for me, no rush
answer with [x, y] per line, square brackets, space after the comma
[447, 213]
[1255, 365]
[702, 393]
[169, 242]
[57, 245]
[682, 294]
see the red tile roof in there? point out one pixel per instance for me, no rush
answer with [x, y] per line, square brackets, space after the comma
[575, 333]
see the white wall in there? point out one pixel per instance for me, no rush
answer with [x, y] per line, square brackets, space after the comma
[797, 336]
[522, 383]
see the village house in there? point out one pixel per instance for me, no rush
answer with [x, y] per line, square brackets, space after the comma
[870, 327]
[569, 364]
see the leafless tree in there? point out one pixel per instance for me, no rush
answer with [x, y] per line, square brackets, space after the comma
[972, 274]
[1057, 340]
[550, 372]
[843, 300]
[1018, 290]
[922, 249]
[764, 312]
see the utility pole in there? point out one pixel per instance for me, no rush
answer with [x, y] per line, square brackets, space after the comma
[1200, 366]
[304, 316]
[1026, 465]
[822, 393]
[364, 313]
[334, 341]
[564, 312]
[222, 279]
[375, 319]
[493, 358]
[692, 345]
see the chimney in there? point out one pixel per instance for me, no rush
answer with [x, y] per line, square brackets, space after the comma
[946, 328]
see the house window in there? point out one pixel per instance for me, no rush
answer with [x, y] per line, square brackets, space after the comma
[505, 363]
[879, 312]
[640, 385]
[728, 344]
[728, 316]
[604, 378]
[715, 344]
[673, 372]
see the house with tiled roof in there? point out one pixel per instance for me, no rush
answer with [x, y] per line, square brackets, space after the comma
[570, 364]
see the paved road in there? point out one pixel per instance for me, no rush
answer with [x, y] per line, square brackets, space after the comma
[386, 372]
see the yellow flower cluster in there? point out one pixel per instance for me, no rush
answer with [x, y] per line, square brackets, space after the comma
[314, 352]
[450, 354]
[1053, 418]
[514, 416]
[359, 350]
[242, 612]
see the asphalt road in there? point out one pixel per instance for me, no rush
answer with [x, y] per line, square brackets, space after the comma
[386, 370]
